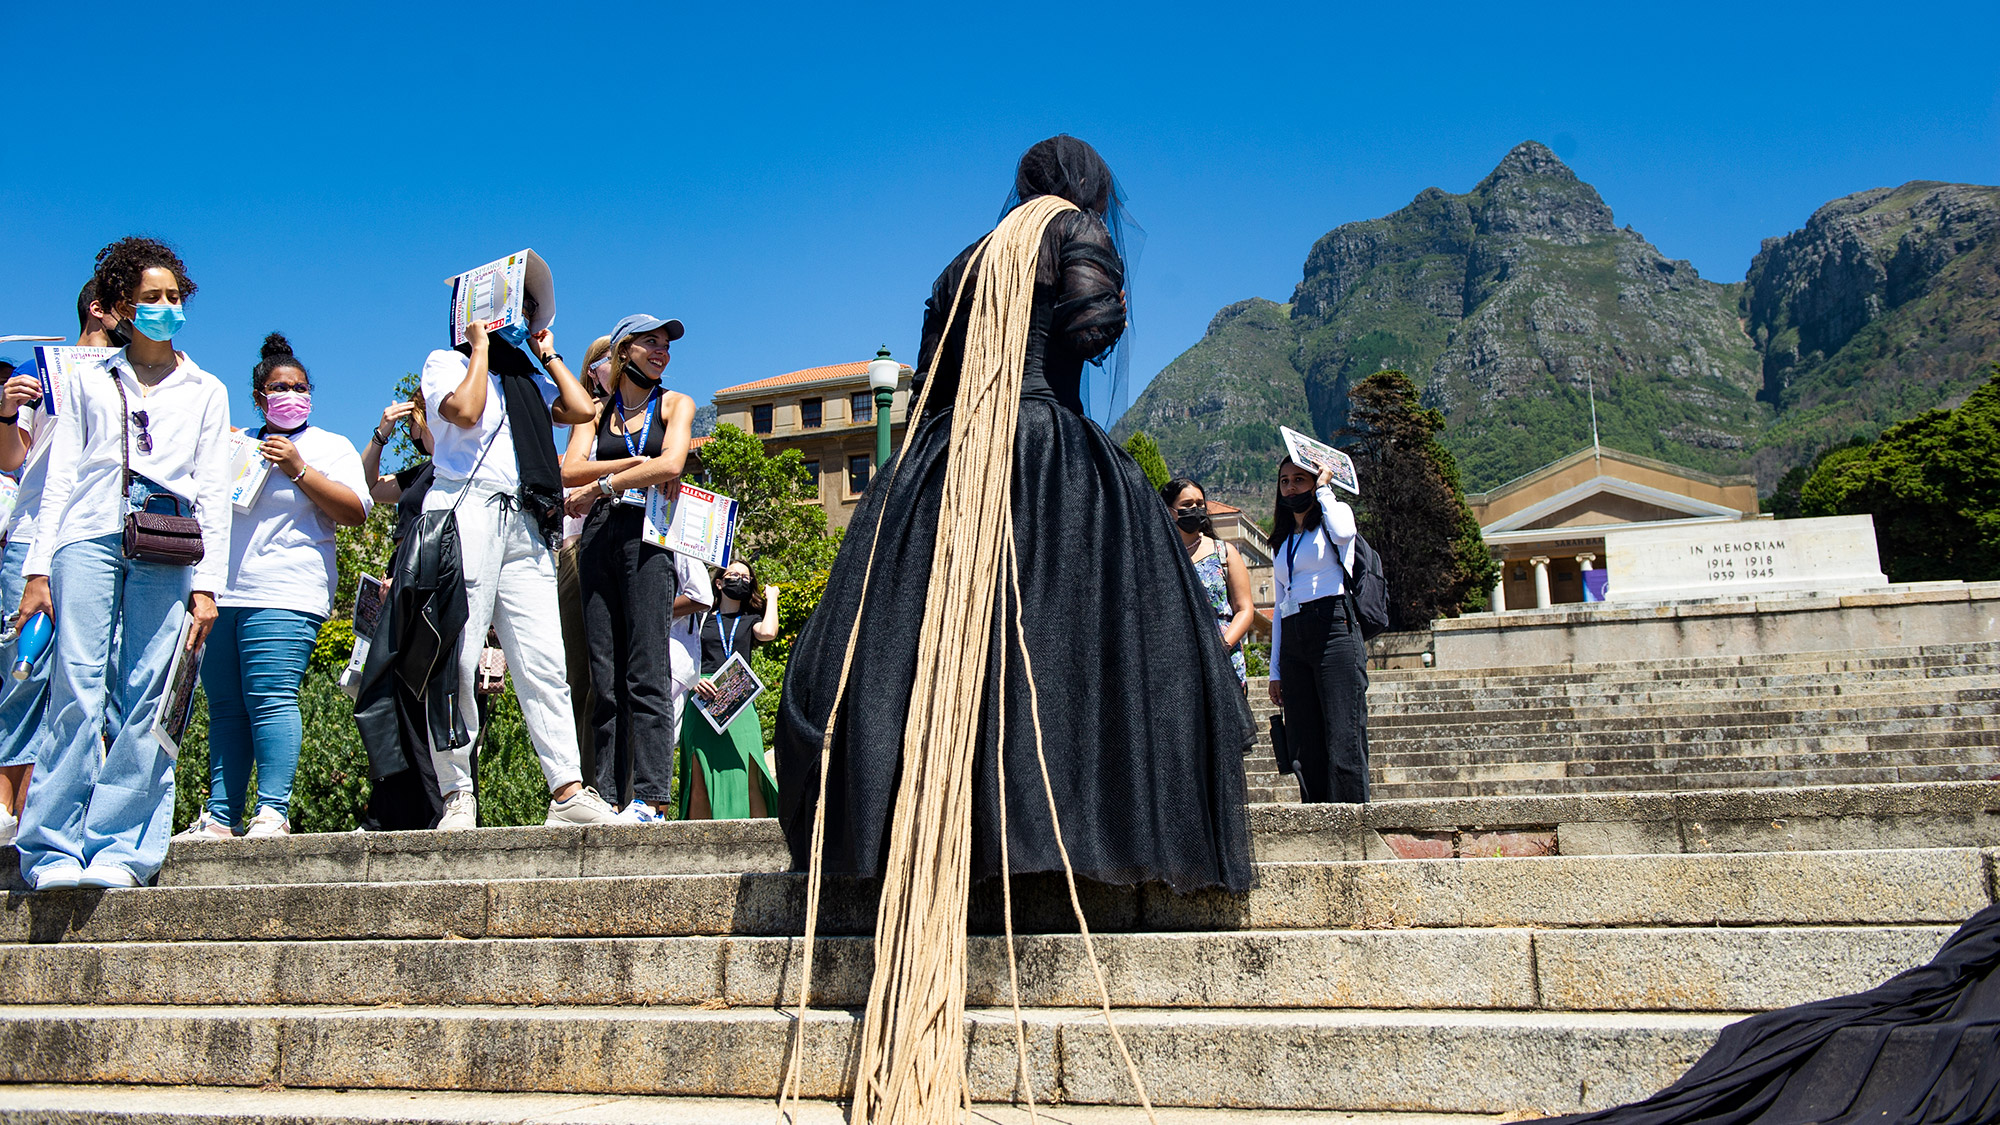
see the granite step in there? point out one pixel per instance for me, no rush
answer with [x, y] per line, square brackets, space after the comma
[1690, 691]
[1885, 887]
[1526, 1062]
[1978, 742]
[1643, 783]
[1581, 736]
[1669, 667]
[1757, 709]
[1634, 969]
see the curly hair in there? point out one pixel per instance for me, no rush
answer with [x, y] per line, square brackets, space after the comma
[121, 265]
[276, 355]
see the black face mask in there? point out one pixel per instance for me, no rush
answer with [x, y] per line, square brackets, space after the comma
[1192, 519]
[1297, 502]
[633, 372]
[737, 588]
[119, 336]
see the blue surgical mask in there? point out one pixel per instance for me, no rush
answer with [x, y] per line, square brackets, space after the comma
[159, 322]
[515, 334]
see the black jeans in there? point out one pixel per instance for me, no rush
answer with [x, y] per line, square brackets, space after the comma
[1324, 674]
[628, 606]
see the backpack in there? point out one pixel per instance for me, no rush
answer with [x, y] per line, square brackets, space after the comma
[1368, 589]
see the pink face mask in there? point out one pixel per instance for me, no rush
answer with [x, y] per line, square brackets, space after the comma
[288, 410]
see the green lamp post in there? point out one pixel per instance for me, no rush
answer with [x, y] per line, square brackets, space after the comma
[883, 374]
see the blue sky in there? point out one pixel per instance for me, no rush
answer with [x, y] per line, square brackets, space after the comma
[788, 180]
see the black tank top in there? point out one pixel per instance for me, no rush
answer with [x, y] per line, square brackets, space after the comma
[733, 626]
[611, 446]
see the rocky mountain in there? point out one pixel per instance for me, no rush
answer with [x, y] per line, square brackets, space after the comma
[1511, 303]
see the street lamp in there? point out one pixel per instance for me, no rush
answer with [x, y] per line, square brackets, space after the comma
[883, 375]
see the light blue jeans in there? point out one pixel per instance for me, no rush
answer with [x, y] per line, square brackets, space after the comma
[255, 662]
[109, 802]
[21, 701]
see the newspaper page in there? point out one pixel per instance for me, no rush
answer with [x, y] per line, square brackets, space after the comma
[57, 368]
[247, 469]
[1317, 455]
[693, 521]
[177, 701]
[492, 294]
[737, 688]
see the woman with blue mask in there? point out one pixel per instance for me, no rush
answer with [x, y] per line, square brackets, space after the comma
[148, 431]
[280, 590]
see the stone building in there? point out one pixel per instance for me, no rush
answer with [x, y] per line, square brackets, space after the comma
[828, 415]
[1547, 528]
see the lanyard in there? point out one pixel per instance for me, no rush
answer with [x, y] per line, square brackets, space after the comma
[728, 635]
[645, 435]
[1292, 554]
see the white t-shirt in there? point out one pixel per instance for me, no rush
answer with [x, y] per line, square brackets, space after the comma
[458, 446]
[281, 550]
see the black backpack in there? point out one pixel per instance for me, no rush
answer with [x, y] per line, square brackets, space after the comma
[1368, 589]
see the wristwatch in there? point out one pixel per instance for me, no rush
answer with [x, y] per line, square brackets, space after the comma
[604, 485]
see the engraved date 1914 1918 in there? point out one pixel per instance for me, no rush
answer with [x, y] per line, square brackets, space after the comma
[1751, 567]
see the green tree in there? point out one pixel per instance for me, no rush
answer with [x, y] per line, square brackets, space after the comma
[1411, 507]
[1933, 486]
[1146, 451]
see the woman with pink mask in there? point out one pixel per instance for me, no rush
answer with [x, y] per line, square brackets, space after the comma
[281, 586]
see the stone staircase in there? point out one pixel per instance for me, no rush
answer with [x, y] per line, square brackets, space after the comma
[1879, 716]
[636, 973]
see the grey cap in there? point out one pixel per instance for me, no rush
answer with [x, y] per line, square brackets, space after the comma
[640, 322]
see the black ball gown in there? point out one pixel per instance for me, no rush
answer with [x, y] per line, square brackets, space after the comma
[1144, 725]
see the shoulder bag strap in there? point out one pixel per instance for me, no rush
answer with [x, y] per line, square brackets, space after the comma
[481, 460]
[124, 428]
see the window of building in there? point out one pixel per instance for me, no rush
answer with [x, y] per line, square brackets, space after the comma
[812, 474]
[862, 403]
[857, 474]
[760, 419]
[809, 413]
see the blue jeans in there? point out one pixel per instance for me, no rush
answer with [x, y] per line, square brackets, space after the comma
[22, 702]
[255, 662]
[105, 802]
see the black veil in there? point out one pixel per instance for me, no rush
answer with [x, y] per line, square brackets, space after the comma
[1069, 168]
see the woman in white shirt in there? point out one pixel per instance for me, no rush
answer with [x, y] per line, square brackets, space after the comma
[102, 803]
[281, 585]
[1319, 673]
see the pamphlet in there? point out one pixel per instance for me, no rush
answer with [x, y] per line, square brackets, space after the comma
[1317, 455]
[177, 701]
[247, 469]
[371, 596]
[25, 339]
[57, 369]
[492, 294]
[694, 521]
[737, 687]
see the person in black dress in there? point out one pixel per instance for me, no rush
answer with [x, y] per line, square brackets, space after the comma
[1142, 722]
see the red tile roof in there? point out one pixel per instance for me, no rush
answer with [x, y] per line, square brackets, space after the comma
[809, 375]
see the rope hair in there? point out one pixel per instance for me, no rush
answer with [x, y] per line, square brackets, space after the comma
[912, 1058]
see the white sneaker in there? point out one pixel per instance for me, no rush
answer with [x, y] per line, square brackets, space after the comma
[59, 878]
[581, 807]
[461, 811]
[108, 876]
[206, 827]
[639, 812]
[267, 822]
[9, 824]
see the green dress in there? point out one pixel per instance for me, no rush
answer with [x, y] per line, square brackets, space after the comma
[728, 761]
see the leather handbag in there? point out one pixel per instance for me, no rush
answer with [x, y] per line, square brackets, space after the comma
[154, 537]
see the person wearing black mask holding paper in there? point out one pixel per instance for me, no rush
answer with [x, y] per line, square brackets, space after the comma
[638, 441]
[723, 774]
[1319, 666]
[495, 466]
[1220, 566]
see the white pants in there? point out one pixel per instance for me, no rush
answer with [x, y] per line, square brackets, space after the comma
[510, 585]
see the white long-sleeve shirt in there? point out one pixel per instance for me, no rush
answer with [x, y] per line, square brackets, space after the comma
[1309, 565]
[83, 496]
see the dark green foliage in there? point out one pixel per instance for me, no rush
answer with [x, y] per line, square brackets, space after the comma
[1146, 452]
[1784, 502]
[1933, 486]
[1411, 508]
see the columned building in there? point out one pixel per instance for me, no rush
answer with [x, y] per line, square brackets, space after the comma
[1547, 528]
[828, 415]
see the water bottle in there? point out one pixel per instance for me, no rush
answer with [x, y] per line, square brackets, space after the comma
[31, 643]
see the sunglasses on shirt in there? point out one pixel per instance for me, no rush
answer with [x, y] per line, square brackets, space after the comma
[145, 442]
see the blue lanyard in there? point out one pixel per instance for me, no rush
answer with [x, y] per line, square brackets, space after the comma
[618, 406]
[728, 635]
[1292, 554]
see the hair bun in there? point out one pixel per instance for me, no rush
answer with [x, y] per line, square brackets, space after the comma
[275, 345]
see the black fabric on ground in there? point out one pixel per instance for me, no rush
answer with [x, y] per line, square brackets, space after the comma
[1143, 721]
[1324, 670]
[1920, 1049]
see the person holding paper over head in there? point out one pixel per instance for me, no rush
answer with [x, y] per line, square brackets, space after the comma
[1319, 666]
[281, 585]
[131, 551]
[25, 429]
[724, 776]
[637, 441]
[495, 468]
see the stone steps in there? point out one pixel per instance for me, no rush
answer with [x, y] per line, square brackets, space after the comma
[1688, 692]
[1395, 1060]
[1571, 734]
[1679, 666]
[1610, 717]
[1644, 782]
[1640, 969]
[1893, 744]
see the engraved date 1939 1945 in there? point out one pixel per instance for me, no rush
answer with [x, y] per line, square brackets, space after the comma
[1750, 567]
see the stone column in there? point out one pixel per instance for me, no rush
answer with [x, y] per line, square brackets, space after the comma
[1583, 561]
[1499, 602]
[1541, 565]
